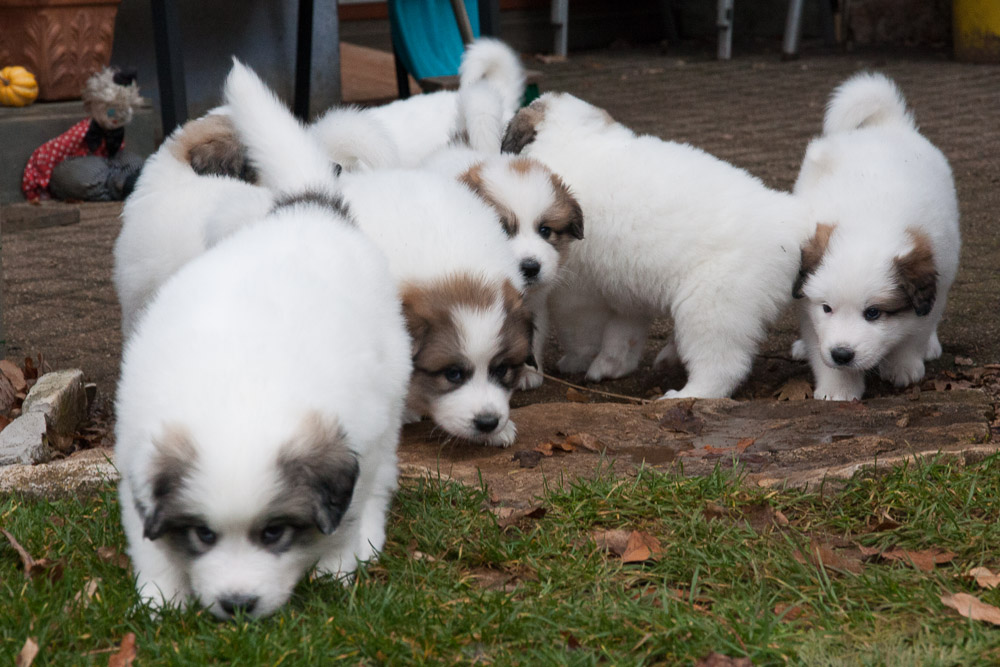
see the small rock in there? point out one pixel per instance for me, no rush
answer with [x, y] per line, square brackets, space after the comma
[60, 396]
[25, 440]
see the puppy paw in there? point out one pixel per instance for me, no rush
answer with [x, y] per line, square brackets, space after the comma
[530, 379]
[838, 392]
[933, 348]
[608, 368]
[667, 357]
[573, 364]
[902, 372]
[505, 437]
[799, 350]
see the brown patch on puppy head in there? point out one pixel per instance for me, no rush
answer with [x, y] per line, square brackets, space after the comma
[916, 273]
[212, 147]
[171, 466]
[812, 255]
[318, 473]
[474, 180]
[522, 128]
[565, 216]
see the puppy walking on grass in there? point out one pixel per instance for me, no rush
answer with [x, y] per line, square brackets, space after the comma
[236, 482]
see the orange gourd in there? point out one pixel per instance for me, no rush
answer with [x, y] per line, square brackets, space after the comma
[18, 87]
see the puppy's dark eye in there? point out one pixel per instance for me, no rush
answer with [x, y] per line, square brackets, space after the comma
[827, 309]
[272, 534]
[545, 231]
[872, 313]
[205, 535]
[500, 371]
[454, 374]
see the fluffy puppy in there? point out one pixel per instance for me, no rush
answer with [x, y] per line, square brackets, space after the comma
[671, 230]
[875, 276]
[405, 132]
[232, 488]
[538, 214]
[460, 286]
[192, 189]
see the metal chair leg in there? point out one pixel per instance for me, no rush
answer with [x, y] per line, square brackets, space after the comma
[724, 23]
[793, 30]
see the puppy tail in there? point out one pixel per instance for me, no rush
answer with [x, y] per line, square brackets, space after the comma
[481, 117]
[867, 99]
[492, 61]
[355, 140]
[286, 157]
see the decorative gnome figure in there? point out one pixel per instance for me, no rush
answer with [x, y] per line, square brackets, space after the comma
[87, 162]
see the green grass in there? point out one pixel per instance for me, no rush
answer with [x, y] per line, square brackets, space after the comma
[541, 592]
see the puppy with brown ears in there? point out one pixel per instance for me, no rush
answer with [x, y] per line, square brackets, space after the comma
[874, 279]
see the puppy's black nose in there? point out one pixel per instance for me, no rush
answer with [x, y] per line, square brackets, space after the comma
[237, 603]
[842, 355]
[486, 423]
[530, 268]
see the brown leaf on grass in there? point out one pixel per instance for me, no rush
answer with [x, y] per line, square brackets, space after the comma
[27, 654]
[882, 521]
[527, 458]
[714, 511]
[126, 652]
[796, 389]
[788, 612]
[762, 517]
[614, 541]
[925, 560]
[113, 556]
[8, 395]
[33, 567]
[963, 361]
[416, 554]
[714, 659]
[576, 396]
[544, 448]
[83, 596]
[681, 419]
[572, 643]
[641, 547]
[820, 554]
[984, 578]
[586, 441]
[972, 607]
[549, 448]
[14, 374]
[508, 516]
[30, 372]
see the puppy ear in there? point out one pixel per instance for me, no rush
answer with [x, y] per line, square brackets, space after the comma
[416, 312]
[812, 255]
[318, 465]
[522, 128]
[519, 326]
[175, 455]
[916, 274]
[573, 210]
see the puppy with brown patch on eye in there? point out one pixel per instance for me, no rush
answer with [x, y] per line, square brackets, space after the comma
[232, 488]
[460, 286]
[874, 280]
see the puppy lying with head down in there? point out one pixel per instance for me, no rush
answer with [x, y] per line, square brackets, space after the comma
[875, 276]
[232, 488]
[671, 230]
[460, 286]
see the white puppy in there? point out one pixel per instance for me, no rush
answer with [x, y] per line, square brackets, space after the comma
[671, 230]
[539, 215]
[405, 132]
[461, 289]
[196, 180]
[875, 277]
[236, 482]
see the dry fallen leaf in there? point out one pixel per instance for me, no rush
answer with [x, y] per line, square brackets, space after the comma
[796, 389]
[972, 607]
[984, 577]
[113, 556]
[788, 612]
[126, 653]
[14, 374]
[33, 567]
[825, 555]
[743, 444]
[576, 396]
[641, 547]
[27, 654]
[681, 418]
[963, 361]
[544, 448]
[587, 441]
[508, 516]
[924, 560]
[615, 540]
[83, 596]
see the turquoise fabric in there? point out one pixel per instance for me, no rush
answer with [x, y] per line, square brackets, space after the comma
[425, 35]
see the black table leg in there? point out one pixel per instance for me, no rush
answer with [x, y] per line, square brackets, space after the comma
[169, 65]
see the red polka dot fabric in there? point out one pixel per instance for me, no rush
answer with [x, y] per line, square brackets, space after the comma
[35, 183]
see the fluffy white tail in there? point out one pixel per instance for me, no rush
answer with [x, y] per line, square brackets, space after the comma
[355, 140]
[491, 85]
[286, 157]
[864, 100]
